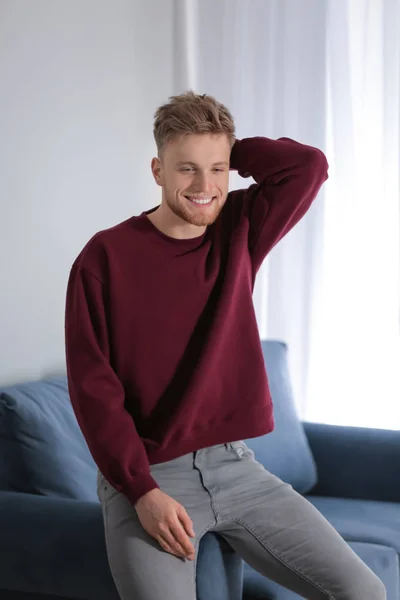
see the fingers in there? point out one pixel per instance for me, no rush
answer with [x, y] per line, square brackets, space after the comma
[182, 539]
[174, 539]
[174, 550]
[186, 522]
[169, 543]
[168, 522]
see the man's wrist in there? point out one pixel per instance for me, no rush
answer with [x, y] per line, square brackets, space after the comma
[233, 162]
[237, 158]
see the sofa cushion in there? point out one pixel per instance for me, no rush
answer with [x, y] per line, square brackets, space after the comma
[284, 452]
[45, 450]
[382, 560]
[362, 520]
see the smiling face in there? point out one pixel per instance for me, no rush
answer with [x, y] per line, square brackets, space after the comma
[194, 174]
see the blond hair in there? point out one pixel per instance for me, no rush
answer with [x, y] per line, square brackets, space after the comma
[191, 113]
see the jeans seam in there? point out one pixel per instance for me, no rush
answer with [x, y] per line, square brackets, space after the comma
[281, 560]
[235, 452]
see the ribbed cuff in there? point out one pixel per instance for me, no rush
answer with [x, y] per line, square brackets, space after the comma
[140, 486]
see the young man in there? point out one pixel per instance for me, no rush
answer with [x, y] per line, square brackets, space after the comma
[166, 372]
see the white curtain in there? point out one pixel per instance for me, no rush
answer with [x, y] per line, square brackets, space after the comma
[354, 342]
[327, 74]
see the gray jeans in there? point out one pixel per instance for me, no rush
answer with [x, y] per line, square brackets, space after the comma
[273, 528]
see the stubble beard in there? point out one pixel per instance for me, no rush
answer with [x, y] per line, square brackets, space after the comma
[199, 220]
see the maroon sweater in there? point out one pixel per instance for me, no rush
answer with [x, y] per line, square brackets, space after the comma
[163, 350]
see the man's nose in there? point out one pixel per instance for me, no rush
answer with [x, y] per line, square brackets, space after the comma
[202, 181]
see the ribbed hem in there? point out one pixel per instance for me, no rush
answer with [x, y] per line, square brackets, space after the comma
[259, 422]
[250, 425]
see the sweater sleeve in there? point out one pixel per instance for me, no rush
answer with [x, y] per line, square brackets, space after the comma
[97, 395]
[288, 177]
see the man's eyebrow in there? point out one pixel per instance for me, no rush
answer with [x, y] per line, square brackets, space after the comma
[216, 164]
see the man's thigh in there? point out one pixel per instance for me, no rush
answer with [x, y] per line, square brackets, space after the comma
[141, 569]
[285, 538]
[139, 566]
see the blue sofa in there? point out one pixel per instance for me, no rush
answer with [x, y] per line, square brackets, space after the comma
[52, 542]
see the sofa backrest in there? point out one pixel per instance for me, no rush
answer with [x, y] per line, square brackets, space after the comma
[43, 450]
[285, 452]
[42, 447]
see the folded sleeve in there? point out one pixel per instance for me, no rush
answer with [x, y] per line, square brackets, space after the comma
[288, 177]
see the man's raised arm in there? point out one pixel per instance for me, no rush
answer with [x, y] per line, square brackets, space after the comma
[288, 177]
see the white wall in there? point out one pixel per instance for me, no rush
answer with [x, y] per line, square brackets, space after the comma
[80, 81]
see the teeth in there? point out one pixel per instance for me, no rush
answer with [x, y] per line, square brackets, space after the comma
[200, 200]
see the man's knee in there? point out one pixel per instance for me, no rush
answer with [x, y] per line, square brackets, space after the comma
[360, 583]
[370, 588]
[378, 590]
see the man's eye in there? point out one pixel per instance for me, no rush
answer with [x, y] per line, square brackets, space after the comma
[189, 169]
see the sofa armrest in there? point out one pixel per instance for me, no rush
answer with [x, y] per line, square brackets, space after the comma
[56, 547]
[53, 546]
[355, 462]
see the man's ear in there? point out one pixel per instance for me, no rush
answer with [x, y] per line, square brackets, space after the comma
[157, 170]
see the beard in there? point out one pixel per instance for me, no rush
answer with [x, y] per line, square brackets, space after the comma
[194, 216]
